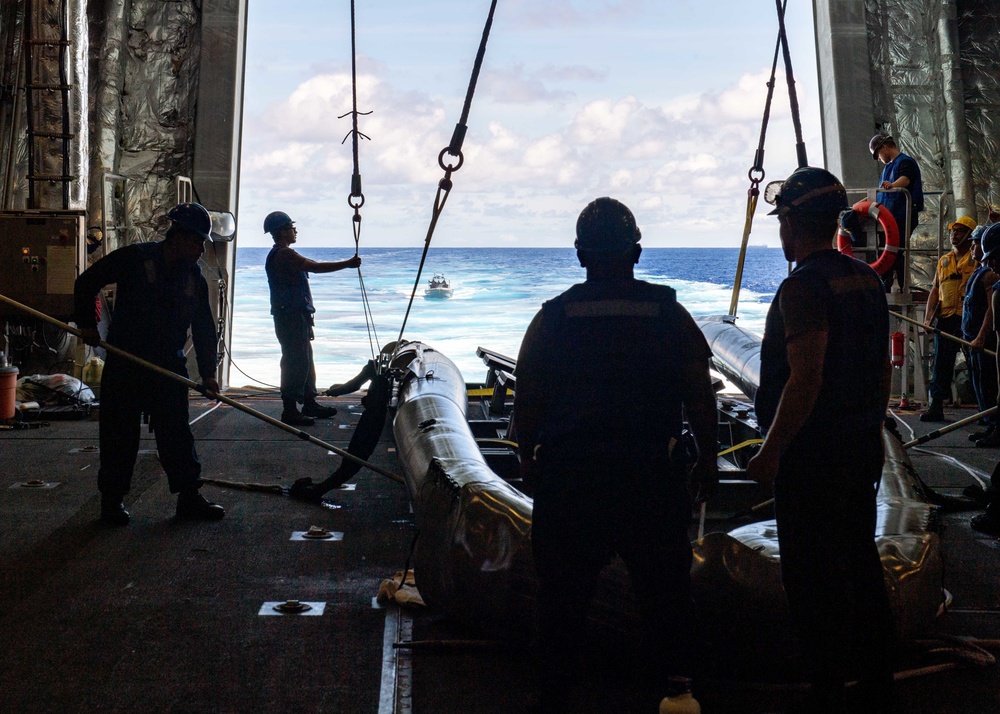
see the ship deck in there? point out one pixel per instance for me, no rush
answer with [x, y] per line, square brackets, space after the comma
[164, 616]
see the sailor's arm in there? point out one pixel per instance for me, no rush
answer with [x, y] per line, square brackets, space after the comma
[806, 355]
[315, 266]
[205, 340]
[703, 418]
[104, 272]
[933, 298]
[529, 396]
[986, 328]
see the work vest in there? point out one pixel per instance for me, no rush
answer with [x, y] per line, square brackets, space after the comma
[953, 274]
[612, 375]
[975, 304]
[289, 288]
[857, 317]
[896, 202]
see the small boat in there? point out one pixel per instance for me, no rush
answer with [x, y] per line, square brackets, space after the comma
[438, 287]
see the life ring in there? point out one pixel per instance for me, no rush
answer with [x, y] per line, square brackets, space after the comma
[873, 209]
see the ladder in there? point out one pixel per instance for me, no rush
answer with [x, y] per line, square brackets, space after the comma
[47, 94]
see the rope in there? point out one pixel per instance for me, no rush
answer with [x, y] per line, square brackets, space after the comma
[445, 185]
[800, 146]
[356, 199]
[756, 175]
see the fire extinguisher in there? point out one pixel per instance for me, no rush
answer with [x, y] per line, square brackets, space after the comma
[896, 340]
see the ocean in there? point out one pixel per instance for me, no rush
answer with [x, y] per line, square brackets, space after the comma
[497, 292]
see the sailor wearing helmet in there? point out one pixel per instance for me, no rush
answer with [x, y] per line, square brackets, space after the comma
[824, 388]
[160, 294]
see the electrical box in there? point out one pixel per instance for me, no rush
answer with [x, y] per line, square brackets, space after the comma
[41, 255]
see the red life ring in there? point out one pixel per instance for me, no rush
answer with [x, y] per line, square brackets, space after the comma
[872, 209]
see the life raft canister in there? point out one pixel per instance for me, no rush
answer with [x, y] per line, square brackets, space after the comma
[873, 209]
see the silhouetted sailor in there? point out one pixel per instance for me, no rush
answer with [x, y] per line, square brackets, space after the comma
[602, 376]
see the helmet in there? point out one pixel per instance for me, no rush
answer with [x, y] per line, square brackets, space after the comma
[275, 221]
[194, 217]
[877, 142]
[991, 241]
[977, 233]
[807, 190]
[967, 221]
[606, 226]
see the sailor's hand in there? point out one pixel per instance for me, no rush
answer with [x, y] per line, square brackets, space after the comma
[763, 467]
[211, 388]
[354, 262]
[90, 336]
[706, 477]
[886, 184]
[978, 344]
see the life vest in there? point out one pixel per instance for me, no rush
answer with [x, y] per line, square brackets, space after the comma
[613, 367]
[871, 209]
[953, 273]
[289, 288]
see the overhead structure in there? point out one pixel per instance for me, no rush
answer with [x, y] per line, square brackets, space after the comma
[928, 73]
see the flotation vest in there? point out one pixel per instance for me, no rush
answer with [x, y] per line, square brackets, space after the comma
[953, 273]
[612, 369]
[871, 209]
[289, 288]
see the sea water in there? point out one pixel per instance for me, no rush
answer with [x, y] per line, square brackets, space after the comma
[497, 291]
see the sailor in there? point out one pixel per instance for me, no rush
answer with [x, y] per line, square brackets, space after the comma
[977, 329]
[292, 309]
[989, 522]
[899, 171]
[824, 388]
[160, 294]
[944, 311]
[603, 374]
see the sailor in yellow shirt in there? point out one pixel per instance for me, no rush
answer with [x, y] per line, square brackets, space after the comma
[945, 305]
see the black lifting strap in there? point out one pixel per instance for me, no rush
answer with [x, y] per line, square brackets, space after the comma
[453, 149]
[800, 146]
[356, 199]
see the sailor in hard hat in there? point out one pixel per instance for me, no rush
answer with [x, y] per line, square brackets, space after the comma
[160, 294]
[989, 522]
[603, 374]
[824, 389]
[899, 171]
[944, 311]
[977, 330]
[292, 309]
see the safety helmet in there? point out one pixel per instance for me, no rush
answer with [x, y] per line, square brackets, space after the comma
[877, 142]
[967, 221]
[194, 217]
[807, 190]
[606, 226]
[991, 241]
[977, 234]
[275, 221]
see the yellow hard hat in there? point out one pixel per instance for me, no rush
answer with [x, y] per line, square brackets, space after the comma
[967, 221]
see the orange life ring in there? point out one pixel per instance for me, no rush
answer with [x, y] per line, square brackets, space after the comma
[873, 209]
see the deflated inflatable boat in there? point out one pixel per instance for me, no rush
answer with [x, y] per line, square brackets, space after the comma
[473, 556]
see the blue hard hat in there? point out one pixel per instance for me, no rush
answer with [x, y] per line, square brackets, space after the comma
[606, 226]
[991, 240]
[977, 232]
[275, 221]
[193, 217]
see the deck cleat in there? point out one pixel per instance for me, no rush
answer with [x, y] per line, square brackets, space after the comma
[292, 607]
[317, 533]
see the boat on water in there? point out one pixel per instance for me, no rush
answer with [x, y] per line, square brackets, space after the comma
[438, 288]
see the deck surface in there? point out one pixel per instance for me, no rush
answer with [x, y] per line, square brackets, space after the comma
[164, 616]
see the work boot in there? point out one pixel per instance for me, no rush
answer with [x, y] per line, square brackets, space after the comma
[192, 506]
[317, 410]
[985, 523]
[990, 441]
[293, 417]
[113, 511]
[935, 412]
[977, 435]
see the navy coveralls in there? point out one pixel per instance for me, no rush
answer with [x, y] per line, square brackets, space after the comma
[154, 307]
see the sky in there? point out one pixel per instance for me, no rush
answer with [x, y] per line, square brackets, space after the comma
[657, 103]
